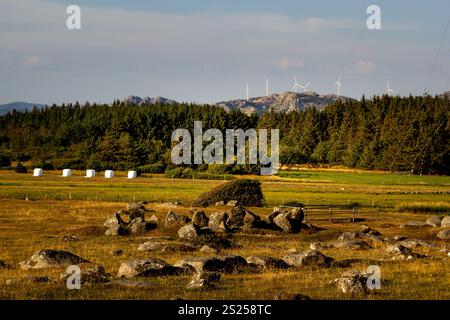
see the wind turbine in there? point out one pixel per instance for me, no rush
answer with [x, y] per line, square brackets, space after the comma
[267, 87]
[389, 91]
[296, 85]
[248, 92]
[338, 84]
[305, 87]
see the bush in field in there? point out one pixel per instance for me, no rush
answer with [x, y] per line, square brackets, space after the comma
[246, 192]
[152, 168]
[20, 168]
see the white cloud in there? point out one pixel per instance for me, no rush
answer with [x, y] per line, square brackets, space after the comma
[287, 64]
[365, 67]
[30, 61]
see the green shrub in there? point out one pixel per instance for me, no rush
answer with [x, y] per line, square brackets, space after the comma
[246, 192]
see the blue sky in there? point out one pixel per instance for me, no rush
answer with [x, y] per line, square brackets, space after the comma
[206, 51]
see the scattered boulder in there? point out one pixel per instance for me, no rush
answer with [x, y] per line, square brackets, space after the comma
[173, 218]
[414, 243]
[29, 279]
[117, 252]
[445, 223]
[200, 219]
[71, 239]
[241, 217]
[288, 219]
[403, 253]
[412, 224]
[4, 265]
[146, 268]
[352, 282]
[351, 244]
[242, 192]
[209, 249]
[135, 210]
[218, 221]
[232, 203]
[435, 221]
[51, 259]
[444, 234]
[139, 226]
[94, 274]
[220, 203]
[204, 280]
[136, 224]
[114, 220]
[308, 258]
[224, 264]
[154, 219]
[117, 231]
[267, 262]
[166, 247]
[189, 232]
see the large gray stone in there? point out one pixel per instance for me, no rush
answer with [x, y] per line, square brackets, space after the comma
[445, 223]
[200, 219]
[435, 221]
[146, 268]
[189, 232]
[267, 262]
[225, 264]
[51, 259]
[93, 274]
[352, 283]
[166, 247]
[218, 221]
[308, 258]
[204, 280]
[444, 234]
[173, 218]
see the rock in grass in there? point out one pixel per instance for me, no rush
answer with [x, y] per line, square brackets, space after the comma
[189, 233]
[173, 218]
[218, 221]
[117, 231]
[200, 219]
[445, 223]
[92, 274]
[4, 265]
[146, 268]
[139, 226]
[435, 221]
[166, 247]
[351, 244]
[308, 258]
[51, 259]
[29, 279]
[352, 282]
[444, 234]
[267, 262]
[204, 280]
[225, 264]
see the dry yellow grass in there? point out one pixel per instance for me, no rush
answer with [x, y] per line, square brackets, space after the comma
[28, 226]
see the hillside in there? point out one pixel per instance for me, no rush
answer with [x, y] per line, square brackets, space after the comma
[18, 106]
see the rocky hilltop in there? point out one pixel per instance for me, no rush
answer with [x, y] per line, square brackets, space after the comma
[284, 102]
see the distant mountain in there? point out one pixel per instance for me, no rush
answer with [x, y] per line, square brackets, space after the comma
[445, 94]
[284, 102]
[147, 100]
[18, 106]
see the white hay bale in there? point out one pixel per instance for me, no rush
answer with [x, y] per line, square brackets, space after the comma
[109, 174]
[67, 173]
[90, 173]
[38, 172]
[132, 174]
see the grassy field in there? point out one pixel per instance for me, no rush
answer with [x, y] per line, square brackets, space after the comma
[78, 206]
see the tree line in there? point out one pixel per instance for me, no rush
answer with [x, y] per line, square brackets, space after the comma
[387, 133]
